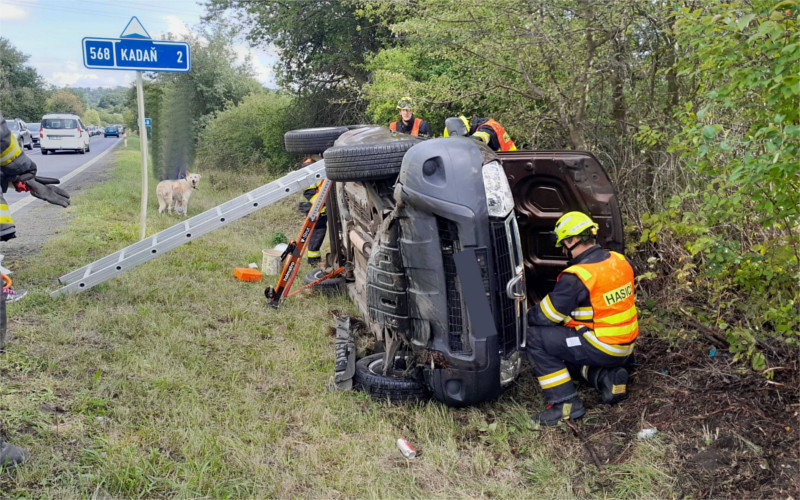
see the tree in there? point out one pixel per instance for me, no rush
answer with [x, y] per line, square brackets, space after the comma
[64, 101]
[22, 92]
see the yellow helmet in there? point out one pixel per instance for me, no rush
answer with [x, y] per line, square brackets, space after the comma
[574, 224]
[406, 103]
[457, 127]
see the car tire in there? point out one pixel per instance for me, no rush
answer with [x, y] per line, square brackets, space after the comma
[327, 286]
[368, 162]
[44, 152]
[30, 146]
[311, 141]
[88, 148]
[82, 150]
[398, 389]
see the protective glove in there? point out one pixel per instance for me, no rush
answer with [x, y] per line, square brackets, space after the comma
[42, 188]
[303, 207]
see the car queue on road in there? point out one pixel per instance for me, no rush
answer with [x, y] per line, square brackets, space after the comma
[59, 132]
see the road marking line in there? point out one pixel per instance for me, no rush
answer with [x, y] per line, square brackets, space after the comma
[14, 207]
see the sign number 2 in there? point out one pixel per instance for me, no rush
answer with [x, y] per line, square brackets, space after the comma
[180, 57]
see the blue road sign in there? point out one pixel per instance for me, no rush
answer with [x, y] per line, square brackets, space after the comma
[147, 122]
[136, 54]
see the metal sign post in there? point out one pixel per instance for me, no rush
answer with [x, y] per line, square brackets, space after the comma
[143, 148]
[135, 50]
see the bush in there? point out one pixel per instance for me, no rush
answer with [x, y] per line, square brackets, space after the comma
[248, 136]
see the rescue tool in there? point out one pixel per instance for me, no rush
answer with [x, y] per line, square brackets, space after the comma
[293, 254]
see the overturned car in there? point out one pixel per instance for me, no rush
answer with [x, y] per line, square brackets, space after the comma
[446, 244]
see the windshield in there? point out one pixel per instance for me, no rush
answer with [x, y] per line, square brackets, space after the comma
[33, 126]
[13, 126]
[59, 123]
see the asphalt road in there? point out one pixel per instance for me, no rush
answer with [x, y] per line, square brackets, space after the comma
[62, 165]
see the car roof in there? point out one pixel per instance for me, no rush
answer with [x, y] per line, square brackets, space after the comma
[60, 115]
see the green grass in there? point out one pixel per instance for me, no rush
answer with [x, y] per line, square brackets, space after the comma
[177, 380]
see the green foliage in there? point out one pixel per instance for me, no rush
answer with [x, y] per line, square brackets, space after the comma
[22, 90]
[65, 101]
[248, 135]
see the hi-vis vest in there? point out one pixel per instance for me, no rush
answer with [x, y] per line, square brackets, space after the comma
[414, 128]
[612, 316]
[506, 144]
[9, 151]
[313, 199]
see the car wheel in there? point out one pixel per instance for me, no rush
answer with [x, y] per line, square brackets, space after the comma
[310, 141]
[44, 151]
[327, 286]
[369, 376]
[368, 162]
[88, 147]
[82, 150]
[30, 146]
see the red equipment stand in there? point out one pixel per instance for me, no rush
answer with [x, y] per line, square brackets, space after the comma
[293, 254]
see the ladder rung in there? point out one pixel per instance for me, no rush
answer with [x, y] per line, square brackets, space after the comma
[149, 248]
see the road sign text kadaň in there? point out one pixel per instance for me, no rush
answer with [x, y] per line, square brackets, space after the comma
[136, 54]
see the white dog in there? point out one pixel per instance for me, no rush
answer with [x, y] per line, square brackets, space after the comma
[175, 194]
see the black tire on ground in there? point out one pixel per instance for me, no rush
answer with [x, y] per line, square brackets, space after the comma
[311, 141]
[30, 146]
[88, 148]
[329, 285]
[398, 389]
[367, 162]
[82, 151]
[44, 151]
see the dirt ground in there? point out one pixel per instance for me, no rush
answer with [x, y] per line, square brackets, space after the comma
[735, 432]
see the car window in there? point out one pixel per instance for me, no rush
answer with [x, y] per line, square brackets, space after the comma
[34, 126]
[59, 123]
[13, 126]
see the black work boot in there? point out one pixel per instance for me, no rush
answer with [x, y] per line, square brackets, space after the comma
[612, 382]
[11, 455]
[566, 410]
[313, 261]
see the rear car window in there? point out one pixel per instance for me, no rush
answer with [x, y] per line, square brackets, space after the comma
[13, 126]
[59, 123]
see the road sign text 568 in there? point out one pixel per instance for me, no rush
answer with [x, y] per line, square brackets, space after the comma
[99, 53]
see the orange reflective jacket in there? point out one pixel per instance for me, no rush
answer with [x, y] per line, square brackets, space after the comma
[506, 144]
[414, 128]
[610, 283]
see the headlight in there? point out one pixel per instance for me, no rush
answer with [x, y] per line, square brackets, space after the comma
[499, 199]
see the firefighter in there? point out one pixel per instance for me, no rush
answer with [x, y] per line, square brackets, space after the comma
[321, 226]
[487, 130]
[585, 328]
[409, 124]
[16, 168]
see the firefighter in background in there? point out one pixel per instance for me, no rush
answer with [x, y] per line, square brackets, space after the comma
[321, 226]
[487, 130]
[408, 123]
[585, 328]
[18, 170]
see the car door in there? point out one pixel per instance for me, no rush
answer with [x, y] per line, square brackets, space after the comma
[546, 185]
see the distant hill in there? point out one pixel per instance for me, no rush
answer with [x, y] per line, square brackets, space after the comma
[111, 99]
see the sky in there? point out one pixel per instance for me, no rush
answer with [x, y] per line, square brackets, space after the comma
[50, 33]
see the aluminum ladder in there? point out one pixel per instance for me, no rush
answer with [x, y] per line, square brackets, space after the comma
[192, 228]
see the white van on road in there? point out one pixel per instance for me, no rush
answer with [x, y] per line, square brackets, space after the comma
[63, 131]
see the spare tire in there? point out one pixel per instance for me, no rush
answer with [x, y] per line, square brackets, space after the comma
[366, 162]
[311, 141]
[369, 376]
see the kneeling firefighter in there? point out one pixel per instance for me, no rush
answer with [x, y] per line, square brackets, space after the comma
[585, 327]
